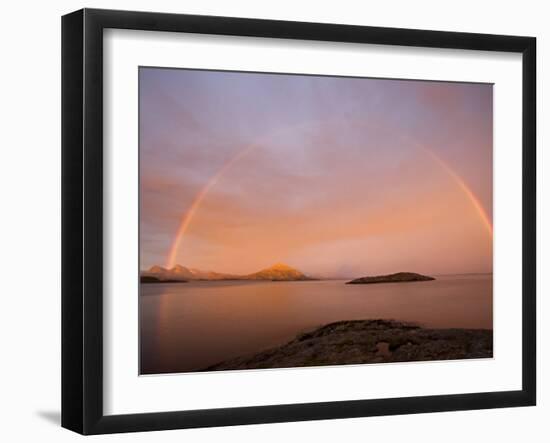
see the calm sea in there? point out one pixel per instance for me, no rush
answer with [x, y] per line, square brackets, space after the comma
[189, 326]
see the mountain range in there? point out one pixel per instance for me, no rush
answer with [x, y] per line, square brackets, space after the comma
[277, 272]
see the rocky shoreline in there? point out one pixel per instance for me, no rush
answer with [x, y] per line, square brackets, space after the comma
[368, 341]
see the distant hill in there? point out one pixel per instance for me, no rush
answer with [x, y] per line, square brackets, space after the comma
[277, 272]
[399, 277]
[151, 279]
[180, 271]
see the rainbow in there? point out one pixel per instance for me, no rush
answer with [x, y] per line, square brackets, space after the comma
[199, 198]
[478, 206]
[195, 204]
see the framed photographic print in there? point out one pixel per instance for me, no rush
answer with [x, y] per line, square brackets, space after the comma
[268, 221]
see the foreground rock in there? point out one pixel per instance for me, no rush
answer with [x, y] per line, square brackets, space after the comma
[369, 341]
[399, 277]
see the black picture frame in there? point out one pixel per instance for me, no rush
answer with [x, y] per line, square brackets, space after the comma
[82, 220]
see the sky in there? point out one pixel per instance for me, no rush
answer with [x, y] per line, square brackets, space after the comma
[335, 176]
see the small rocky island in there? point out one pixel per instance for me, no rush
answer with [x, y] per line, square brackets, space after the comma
[399, 277]
[368, 341]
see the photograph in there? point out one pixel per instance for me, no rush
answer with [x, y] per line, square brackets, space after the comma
[299, 220]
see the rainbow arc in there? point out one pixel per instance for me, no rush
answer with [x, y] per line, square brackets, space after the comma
[188, 216]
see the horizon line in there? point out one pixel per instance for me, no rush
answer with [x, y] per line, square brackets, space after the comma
[317, 276]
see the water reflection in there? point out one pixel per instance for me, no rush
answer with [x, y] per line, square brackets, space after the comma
[185, 327]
